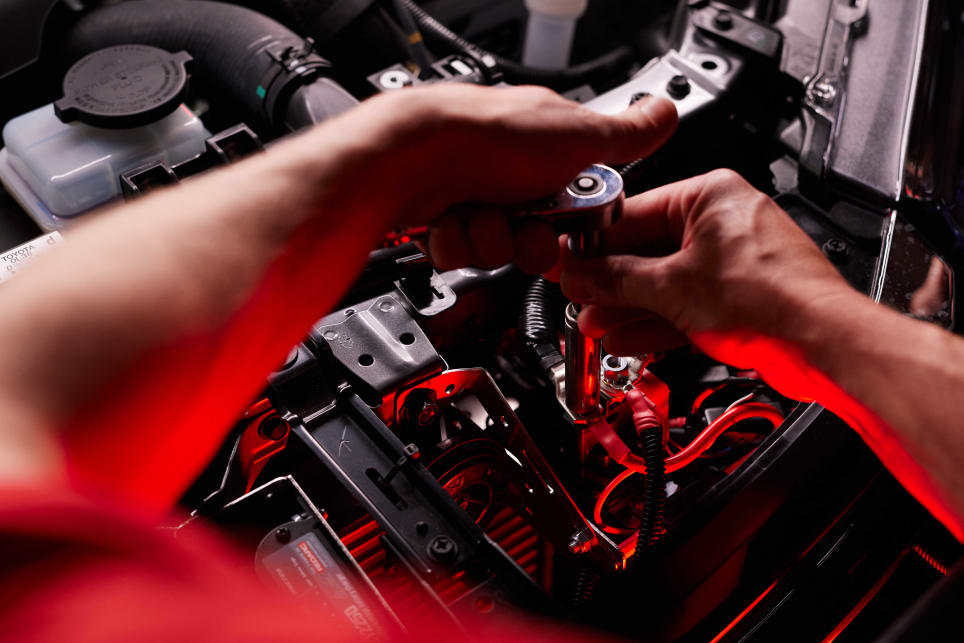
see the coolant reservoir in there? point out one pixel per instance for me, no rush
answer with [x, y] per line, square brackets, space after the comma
[549, 34]
[73, 167]
[121, 110]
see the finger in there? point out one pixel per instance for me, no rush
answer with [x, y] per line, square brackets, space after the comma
[536, 247]
[490, 239]
[447, 243]
[652, 335]
[640, 130]
[626, 281]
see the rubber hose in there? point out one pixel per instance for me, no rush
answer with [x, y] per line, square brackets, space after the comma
[602, 67]
[235, 52]
[536, 328]
[654, 494]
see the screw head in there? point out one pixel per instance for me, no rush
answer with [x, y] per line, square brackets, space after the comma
[836, 250]
[282, 534]
[723, 20]
[678, 86]
[443, 549]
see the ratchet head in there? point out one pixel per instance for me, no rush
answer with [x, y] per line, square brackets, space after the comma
[591, 202]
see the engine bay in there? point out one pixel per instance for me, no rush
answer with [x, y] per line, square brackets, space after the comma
[447, 440]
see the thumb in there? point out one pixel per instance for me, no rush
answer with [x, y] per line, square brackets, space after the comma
[624, 281]
[640, 130]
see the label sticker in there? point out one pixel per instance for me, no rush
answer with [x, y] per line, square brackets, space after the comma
[14, 260]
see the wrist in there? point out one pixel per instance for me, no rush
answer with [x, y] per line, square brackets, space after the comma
[825, 318]
[368, 163]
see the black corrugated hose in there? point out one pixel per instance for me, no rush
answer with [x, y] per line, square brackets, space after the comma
[236, 51]
[654, 494]
[599, 69]
[536, 329]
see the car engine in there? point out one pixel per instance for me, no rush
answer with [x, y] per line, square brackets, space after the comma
[448, 442]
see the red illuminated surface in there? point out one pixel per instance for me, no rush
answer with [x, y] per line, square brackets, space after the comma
[930, 560]
[862, 603]
[742, 615]
[513, 534]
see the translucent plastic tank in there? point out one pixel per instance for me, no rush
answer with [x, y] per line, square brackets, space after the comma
[73, 167]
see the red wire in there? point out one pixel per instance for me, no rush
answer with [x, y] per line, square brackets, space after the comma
[675, 462]
[754, 410]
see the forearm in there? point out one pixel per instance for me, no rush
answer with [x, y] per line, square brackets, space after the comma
[898, 382]
[193, 305]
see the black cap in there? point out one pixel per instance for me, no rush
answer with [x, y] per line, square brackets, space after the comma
[124, 86]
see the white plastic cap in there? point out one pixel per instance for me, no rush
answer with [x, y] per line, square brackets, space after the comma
[561, 8]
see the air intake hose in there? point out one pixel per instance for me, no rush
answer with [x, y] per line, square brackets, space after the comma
[260, 64]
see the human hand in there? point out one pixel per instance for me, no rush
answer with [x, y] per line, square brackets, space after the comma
[711, 258]
[503, 146]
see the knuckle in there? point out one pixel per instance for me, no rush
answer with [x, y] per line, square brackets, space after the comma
[724, 178]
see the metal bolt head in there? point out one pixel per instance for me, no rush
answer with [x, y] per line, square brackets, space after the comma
[616, 370]
[580, 542]
[823, 93]
[427, 414]
[678, 86]
[836, 250]
[723, 20]
[443, 549]
[282, 534]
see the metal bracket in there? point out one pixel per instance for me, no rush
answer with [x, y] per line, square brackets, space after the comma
[823, 98]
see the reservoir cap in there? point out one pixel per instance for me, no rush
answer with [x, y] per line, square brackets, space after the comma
[124, 86]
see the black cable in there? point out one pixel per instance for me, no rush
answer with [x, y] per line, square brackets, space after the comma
[416, 44]
[536, 327]
[600, 68]
[654, 494]
[584, 589]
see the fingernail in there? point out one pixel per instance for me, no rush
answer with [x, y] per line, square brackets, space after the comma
[577, 286]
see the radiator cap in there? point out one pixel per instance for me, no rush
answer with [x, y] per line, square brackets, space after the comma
[124, 86]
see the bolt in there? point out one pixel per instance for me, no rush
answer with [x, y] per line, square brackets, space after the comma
[836, 250]
[823, 93]
[443, 549]
[580, 542]
[282, 534]
[427, 414]
[723, 20]
[616, 370]
[421, 528]
[678, 86]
